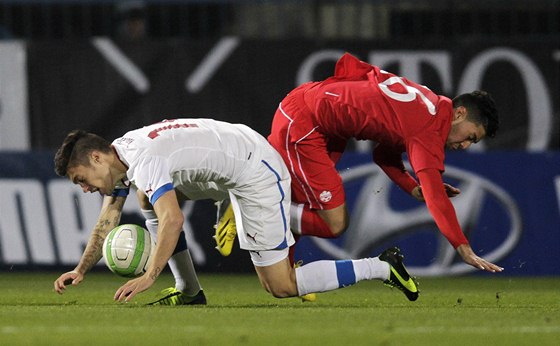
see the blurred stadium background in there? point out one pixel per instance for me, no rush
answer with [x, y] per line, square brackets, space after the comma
[110, 66]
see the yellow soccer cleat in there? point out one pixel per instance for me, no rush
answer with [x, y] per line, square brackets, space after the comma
[172, 296]
[310, 297]
[226, 230]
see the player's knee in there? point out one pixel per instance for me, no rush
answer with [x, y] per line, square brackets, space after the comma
[337, 219]
[338, 227]
[282, 291]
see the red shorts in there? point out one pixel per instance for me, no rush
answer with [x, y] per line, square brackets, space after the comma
[310, 155]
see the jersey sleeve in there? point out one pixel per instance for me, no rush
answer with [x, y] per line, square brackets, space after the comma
[424, 152]
[440, 206]
[122, 189]
[390, 161]
[120, 192]
[153, 177]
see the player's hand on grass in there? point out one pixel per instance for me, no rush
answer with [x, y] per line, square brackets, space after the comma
[471, 258]
[451, 191]
[127, 291]
[68, 278]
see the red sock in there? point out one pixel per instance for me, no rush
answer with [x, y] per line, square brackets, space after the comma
[313, 224]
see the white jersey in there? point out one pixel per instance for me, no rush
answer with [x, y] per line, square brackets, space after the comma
[209, 159]
[199, 157]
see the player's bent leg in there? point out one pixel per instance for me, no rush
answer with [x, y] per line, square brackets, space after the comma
[282, 280]
[322, 276]
[275, 273]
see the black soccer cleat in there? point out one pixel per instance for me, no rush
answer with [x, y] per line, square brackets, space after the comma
[399, 276]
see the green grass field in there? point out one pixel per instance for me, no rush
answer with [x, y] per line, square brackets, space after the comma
[452, 311]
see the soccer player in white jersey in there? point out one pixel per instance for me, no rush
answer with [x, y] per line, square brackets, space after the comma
[171, 159]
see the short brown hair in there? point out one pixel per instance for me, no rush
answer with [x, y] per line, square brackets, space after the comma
[75, 149]
[482, 110]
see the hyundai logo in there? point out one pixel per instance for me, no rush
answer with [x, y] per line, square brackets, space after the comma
[374, 222]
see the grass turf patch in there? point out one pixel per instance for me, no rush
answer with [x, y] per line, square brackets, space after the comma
[450, 311]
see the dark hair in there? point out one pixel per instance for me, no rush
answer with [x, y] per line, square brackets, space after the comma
[75, 149]
[481, 110]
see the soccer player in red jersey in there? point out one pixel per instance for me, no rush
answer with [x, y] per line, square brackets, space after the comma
[314, 121]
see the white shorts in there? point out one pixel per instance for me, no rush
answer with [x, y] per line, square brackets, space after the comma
[262, 206]
[268, 257]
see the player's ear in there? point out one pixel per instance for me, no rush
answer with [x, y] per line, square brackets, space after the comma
[95, 156]
[459, 114]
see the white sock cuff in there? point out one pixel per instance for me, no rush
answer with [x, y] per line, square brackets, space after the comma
[151, 222]
[148, 214]
[300, 282]
[371, 268]
[296, 212]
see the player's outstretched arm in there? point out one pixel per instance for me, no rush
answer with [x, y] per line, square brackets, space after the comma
[390, 161]
[170, 226]
[471, 258]
[109, 218]
[444, 215]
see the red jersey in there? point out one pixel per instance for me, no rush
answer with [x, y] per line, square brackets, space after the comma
[365, 102]
[313, 122]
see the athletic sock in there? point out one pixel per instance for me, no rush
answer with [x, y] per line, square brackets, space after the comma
[305, 221]
[182, 267]
[322, 276]
[180, 262]
[151, 222]
[295, 218]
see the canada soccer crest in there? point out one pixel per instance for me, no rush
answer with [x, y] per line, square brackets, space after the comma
[325, 196]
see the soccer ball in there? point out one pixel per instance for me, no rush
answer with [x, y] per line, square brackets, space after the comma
[127, 250]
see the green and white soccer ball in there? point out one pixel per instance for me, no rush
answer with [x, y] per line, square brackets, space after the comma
[127, 250]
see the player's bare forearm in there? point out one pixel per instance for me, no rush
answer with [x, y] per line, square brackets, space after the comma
[109, 218]
[170, 226]
[93, 252]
